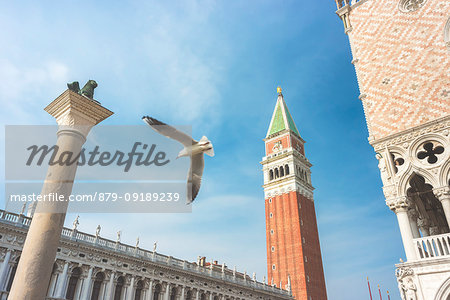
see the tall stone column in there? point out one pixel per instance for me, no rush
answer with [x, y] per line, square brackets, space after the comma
[400, 206]
[4, 269]
[75, 115]
[183, 288]
[149, 295]
[167, 293]
[61, 283]
[110, 287]
[131, 289]
[87, 286]
[443, 194]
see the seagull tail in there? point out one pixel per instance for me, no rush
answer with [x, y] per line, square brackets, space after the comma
[210, 151]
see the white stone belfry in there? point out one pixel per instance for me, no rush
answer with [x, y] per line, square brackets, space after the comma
[75, 115]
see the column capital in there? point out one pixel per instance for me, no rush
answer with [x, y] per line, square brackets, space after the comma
[442, 193]
[71, 108]
[398, 204]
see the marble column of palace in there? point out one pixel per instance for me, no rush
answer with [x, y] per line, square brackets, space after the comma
[75, 115]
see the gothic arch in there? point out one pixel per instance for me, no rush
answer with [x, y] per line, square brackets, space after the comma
[427, 205]
[447, 34]
[444, 175]
[410, 173]
[443, 292]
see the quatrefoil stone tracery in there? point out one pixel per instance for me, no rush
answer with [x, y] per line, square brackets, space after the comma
[430, 152]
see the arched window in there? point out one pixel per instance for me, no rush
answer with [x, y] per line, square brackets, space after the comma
[216, 298]
[276, 173]
[12, 274]
[428, 208]
[281, 171]
[97, 285]
[73, 283]
[203, 296]
[157, 292]
[286, 169]
[119, 287]
[173, 293]
[189, 295]
[139, 288]
[271, 175]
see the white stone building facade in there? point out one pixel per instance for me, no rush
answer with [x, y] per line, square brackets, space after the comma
[401, 55]
[90, 267]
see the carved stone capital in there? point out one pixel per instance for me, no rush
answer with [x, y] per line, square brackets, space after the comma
[442, 193]
[398, 203]
[76, 112]
[402, 272]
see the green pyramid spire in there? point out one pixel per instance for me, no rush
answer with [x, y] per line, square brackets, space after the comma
[281, 118]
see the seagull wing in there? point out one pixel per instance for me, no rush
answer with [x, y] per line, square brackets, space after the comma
[195, 176]
[169, 131]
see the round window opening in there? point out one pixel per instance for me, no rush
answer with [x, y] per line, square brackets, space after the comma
[407, 6]
[430, 152]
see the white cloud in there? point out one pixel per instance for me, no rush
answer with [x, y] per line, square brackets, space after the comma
[21, 88]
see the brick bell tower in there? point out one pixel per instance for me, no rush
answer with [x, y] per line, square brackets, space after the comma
[294, 260]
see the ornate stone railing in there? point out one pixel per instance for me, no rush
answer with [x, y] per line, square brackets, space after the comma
[97, 241]
[435, 246]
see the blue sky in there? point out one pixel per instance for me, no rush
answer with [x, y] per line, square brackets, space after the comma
[215, 65]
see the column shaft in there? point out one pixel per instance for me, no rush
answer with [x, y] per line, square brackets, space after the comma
[446, 206]
[61, 283]
[166, 295]
[131, 289]
[4, 269]
[110, 287]
[75, 115]
[87, 285]
[406, 232]
[149, 295]
[182, 292]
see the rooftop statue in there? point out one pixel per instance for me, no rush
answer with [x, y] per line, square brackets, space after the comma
[87, 90]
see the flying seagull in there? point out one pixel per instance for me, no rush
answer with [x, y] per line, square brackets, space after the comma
[194, 149]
